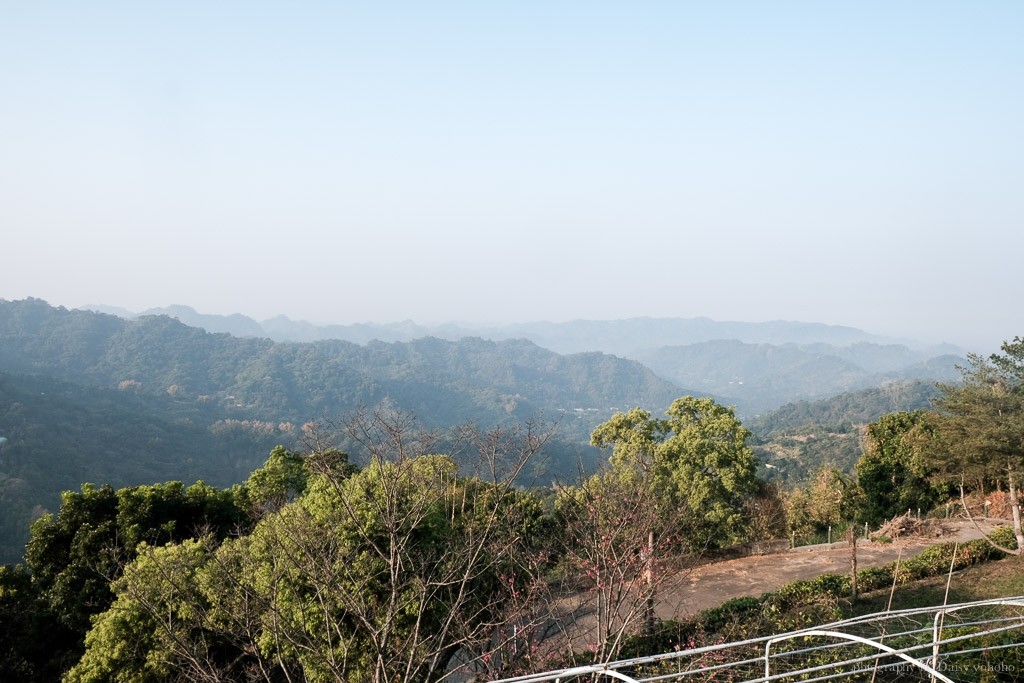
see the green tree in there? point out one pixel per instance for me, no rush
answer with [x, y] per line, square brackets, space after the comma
[281, 479]
[894, 472]
[387, 574]
[981, 425]
[700, 461]
[285, 474]
[828, 499]
[33, 644]
[74, 555]
[157, 611]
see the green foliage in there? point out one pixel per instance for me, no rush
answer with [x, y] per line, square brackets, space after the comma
[387, 512]
[60, 435]
[91, 397]
[981, 420]
[700, 461]
[802, 437]
[842, 412]
[830, 499]
[981, 424]
[371, 575]
[281, 479]
[31, 640]
[126, 642]
[793, 458]
[444, 383]
[894, 472]
[75, 554]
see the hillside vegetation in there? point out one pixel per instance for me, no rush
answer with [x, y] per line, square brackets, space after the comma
[763, 377]
[417, 552]
[96, 397]
[754, 366]
[89, 397]
[60, 435]
[799, 438]
[443, 382]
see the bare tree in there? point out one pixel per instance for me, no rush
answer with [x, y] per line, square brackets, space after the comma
[617, 552]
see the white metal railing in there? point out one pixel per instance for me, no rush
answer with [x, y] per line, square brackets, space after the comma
[917, 643]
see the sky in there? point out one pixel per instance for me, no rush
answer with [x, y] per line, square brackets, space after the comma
[855, 163]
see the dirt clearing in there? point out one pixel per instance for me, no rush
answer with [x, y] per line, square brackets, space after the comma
[712, 584]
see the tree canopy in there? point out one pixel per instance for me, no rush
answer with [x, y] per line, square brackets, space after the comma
[894, 472]
[700, 460]
[384, 573]
[981, 424]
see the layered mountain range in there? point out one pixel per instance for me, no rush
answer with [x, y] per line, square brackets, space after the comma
[755, 366]
[130, 399]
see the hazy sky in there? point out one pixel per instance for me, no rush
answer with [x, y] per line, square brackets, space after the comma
[856, 163]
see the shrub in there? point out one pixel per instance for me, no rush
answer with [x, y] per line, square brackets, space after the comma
[1004, 537]
[874, 578]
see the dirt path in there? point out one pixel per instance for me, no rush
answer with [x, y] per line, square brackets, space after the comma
[712, 584]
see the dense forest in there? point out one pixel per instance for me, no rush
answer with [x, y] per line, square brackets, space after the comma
[96, 398]
[406, 566]
[428, 508]
[58, 435]
[443, 382]
[416, 557]
[800, 438]
[755, 367]
[90, 397]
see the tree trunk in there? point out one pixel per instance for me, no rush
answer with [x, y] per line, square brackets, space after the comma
[649, 571]
[1015, 511]
[1019, 551]
[853, 561]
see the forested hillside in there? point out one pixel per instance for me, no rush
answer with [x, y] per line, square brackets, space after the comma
[762, 377]
[755, 366]
[443, 382]
[94, 397]
[846, 409]
[802, 436]
[59, 435]
[90, 397]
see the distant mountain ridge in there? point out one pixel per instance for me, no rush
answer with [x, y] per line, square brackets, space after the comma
[618, 337]
[754, 366]
[443, 382]
[145, 399]
[87, 396]
[762, 377]
[800, 437]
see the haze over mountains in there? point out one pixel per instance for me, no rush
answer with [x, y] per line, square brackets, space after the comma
[442, 381]
[754, 366]
[87, 396]
[618, 337]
